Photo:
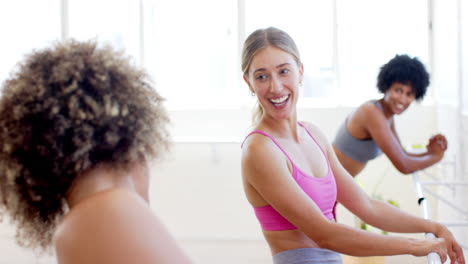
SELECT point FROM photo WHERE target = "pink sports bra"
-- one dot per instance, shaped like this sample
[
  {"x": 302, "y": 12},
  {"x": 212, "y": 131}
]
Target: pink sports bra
[{"x": 321, "y": 190}]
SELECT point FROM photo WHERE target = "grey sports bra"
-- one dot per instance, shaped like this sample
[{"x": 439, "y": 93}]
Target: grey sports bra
[{"x": 361, "y": 150}]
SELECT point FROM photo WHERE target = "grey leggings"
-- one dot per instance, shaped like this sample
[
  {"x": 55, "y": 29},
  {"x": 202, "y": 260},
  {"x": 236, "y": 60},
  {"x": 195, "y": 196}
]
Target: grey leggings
[{"x": 307, "y": 256}]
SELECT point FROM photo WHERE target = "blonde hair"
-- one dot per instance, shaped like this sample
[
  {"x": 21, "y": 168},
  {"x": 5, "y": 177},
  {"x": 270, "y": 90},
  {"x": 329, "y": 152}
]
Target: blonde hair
[{"x": 260, "y": 39}]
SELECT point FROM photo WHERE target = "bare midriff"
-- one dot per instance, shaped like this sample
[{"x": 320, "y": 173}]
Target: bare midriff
[{"x": 287, "y": 239}]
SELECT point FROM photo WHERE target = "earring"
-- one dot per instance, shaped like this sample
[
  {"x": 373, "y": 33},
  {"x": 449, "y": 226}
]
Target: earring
[{"x": 252, "y": 93}]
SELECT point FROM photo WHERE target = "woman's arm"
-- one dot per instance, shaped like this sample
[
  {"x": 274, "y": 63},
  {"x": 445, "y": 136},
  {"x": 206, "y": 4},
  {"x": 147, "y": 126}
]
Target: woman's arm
[
  {"x": 266, "y": 170},
  {"x": 386, "y": 138},
  {"x": 392, "y": 219},
  {"x": 437, "y": 143},
  {"x": 383, "y": 215}
]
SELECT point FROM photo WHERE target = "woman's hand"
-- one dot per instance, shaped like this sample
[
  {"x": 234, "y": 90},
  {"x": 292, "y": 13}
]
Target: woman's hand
[
  {"x": 444, "y": 245},
  {"x": 437, "y": 145},
  {"x": 454, "y": 250},
  {"x": 426, "y": 246}
]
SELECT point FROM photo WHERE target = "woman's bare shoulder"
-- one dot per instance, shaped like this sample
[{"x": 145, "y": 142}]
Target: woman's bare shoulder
[
  {"x": 257, "y": 144},
  {"x": 366, "y": 115},
  {"x": 102, "y": 207},
  {"x": 115, "y": 226},
  {"x": 368, "y": 108},
  {"x": 259, "y": 153}
]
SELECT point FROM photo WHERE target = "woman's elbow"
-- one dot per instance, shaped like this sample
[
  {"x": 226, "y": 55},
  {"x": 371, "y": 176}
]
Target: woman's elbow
[
  {"x": 330, "y": 243},
  {"x": 324, "y": 242},
  {"x": 325, "y": 238},
  {"x": 405, "y": 170},
  {"x": 403, "y": 167}
]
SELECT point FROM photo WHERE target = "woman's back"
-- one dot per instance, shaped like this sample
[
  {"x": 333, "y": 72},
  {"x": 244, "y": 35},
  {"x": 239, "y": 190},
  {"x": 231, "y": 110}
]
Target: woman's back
[{"x": 114, "y": 226}]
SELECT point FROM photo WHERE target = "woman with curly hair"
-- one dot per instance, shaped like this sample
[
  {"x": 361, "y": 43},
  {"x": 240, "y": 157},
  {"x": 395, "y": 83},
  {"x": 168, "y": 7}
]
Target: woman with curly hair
[
  {"x": 370, "y": 131},
  {"x": 79, "y": 126}
]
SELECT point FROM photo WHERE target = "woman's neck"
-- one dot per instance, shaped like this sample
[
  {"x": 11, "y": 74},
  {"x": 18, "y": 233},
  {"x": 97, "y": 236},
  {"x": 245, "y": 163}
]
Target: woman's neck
[
  {"x": 386, "y": 109},
  {"x": 103, "y": 178},
  {"x": 285, "y": 128}
]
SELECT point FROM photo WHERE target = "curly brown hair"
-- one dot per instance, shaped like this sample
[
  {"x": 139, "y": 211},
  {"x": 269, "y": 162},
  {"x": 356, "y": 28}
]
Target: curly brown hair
[{"x": 67, "y": 109}]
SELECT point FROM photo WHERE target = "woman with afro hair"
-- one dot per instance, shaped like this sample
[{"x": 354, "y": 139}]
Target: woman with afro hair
[
  {"x": 79, "y": 126},
  {"x": 370, "y": 131}
]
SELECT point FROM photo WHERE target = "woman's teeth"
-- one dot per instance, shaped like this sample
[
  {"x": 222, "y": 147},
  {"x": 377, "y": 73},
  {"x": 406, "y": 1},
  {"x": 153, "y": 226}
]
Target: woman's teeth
[{"x": 280, "y": 100}]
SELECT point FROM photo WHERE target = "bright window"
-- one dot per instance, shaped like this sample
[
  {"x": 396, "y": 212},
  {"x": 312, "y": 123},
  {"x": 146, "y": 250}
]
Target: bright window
[
  {"x": 192, "y": 52},
  {"x": 192, "y": 48},
  {"x": 26, "y": 25},
  {"x": 464, "y": 63},
  {"x": 114, "y": 22},
  {"x": 370, "y": 33}
]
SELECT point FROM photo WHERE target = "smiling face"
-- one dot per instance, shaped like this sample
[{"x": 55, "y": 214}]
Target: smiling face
[
  {"x": 399, "y": 97},
  {"x": 274, "y": 77}
]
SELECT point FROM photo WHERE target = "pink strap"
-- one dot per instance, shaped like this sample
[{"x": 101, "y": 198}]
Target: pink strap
[
  {"x": 279, "y": 146},
  {"x": 273, "y": 139}
]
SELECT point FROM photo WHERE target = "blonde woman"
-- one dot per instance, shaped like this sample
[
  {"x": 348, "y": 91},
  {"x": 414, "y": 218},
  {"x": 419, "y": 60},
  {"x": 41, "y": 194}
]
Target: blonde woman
[{"x": 292, "y": 177}]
